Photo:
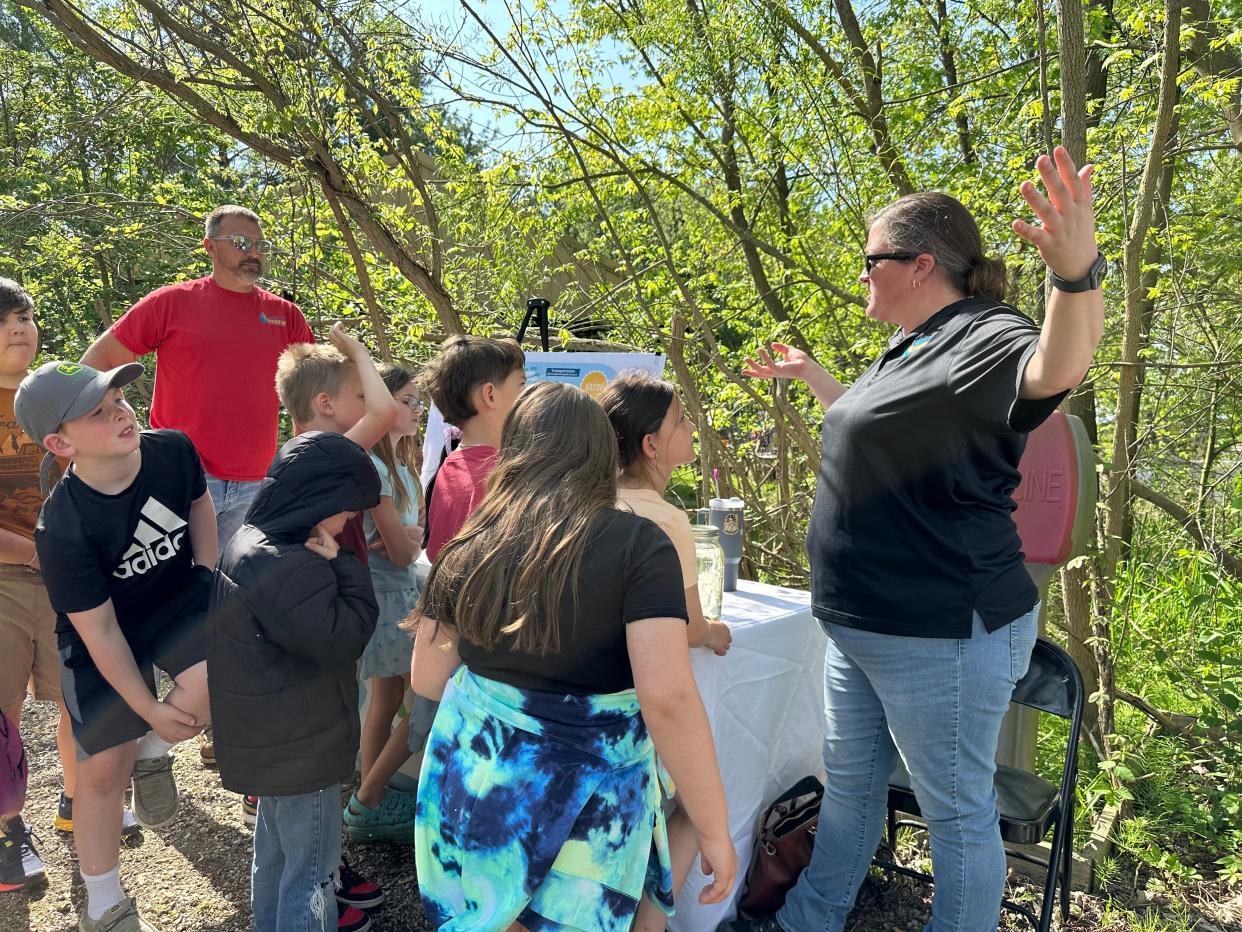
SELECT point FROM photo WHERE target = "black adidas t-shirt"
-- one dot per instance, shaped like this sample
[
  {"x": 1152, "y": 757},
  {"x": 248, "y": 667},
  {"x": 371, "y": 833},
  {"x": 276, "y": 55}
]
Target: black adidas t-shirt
[{"x": 133, "y": 547}]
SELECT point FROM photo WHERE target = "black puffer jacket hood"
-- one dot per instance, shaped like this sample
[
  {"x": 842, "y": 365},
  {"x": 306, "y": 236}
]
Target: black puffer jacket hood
[
  {"x": 289, "y": 626},
  {"x": 314, "y": 476}
]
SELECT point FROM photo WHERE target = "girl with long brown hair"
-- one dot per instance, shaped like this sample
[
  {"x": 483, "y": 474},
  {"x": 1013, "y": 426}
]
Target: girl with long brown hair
[{"x": 539, "y": 797}]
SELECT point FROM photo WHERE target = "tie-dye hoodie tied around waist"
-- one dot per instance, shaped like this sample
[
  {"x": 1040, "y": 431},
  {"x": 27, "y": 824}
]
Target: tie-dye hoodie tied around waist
[{"x": 541, "y": 808}]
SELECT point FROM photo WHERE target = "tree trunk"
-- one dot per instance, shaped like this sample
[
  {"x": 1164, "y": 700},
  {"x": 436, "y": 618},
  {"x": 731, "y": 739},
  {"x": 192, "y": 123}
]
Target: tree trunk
[
  {"x": 873, "y": 90},
  {"x": 364, "y": 277},
  {"x": 1078, "y": 582},
  {"x": 1152, "y": 252},
  {"x": 1124, "y": 424},
  {"x": 1097, "y": 73},
  {"x": 1136, "y": 286}
]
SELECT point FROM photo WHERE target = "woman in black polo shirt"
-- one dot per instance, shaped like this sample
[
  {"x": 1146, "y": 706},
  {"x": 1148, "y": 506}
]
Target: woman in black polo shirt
[{"x": 916, "y": 567}]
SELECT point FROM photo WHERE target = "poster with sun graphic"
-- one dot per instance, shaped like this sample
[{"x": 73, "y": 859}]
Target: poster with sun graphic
[{"x": 589, "y": 371}]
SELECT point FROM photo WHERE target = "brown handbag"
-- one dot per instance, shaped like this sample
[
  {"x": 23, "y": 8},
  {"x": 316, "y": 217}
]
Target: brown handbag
[{"x": 786, "y": 837}]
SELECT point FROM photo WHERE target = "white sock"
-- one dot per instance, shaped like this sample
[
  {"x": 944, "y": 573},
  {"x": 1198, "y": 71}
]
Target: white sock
[
  {"x": 152, "y": 745},
  {"x": 103, "y": 891}
]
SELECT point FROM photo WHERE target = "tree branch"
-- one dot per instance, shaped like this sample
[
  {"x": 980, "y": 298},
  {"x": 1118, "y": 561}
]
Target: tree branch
[{"x": 1228, "y": 561}]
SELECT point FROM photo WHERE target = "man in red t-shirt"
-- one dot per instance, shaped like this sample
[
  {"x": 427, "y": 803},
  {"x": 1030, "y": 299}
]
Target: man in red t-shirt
[{"x": 216, "y": 340}]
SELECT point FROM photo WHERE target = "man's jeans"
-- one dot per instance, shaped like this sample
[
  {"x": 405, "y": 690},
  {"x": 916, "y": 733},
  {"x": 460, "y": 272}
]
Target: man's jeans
[
  {"x": 232, "y": 501},
  {"x": 297, "y": 848},
  {"x": 939, "y": 703}
]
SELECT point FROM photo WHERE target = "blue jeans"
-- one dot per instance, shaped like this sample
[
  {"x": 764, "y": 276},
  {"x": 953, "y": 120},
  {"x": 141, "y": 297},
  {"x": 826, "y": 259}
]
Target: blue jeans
[
  {"x": 939, "y": 703},
  {"x": 297, "y": 848},
  {"x": 232, "y": 500}
]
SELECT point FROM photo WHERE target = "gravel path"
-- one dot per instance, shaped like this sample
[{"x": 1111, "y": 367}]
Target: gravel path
[
  {"x": 191, "y": 875},
  {"x": 194, "y": 874}
]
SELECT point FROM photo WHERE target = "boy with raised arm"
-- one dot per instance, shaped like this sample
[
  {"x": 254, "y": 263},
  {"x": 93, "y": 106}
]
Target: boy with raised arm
[{"x": 334, "y": 389}]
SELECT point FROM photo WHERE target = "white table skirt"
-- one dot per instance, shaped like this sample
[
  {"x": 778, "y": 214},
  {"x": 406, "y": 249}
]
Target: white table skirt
[{"x": 765, "y": 702}]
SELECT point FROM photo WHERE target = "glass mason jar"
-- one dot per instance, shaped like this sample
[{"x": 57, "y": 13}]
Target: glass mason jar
[{"x": 711, "y": 568}]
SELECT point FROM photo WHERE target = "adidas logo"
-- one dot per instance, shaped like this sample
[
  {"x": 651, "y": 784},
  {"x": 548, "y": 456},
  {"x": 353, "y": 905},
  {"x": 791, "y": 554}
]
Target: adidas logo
[{"x": 156, "y": 539}]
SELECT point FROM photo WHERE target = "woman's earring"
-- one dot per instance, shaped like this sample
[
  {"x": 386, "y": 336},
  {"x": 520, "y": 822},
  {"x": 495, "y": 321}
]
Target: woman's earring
[{"x": 916, "y": 283}]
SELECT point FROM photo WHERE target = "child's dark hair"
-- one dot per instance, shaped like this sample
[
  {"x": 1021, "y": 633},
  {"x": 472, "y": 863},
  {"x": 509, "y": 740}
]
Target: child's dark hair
[
  {"x": 13, "y": 299},
  {"x": 463, "y": 364},
  {"x": 406, "y": 450},
  {"x": 636, "y": 406}
]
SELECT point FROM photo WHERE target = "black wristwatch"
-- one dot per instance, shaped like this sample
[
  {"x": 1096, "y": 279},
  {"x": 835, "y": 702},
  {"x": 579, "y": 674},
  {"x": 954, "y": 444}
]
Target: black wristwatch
[{"x": 1091, "y": 281}]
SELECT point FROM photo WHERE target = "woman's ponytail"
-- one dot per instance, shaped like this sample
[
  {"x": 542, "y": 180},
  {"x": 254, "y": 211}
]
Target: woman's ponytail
[{"x": 987, "y": 277}]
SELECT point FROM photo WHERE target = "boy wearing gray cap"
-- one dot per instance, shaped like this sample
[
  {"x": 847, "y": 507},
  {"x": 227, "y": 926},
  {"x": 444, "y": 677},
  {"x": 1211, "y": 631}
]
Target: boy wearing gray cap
[{"x": 127, "y": 542}]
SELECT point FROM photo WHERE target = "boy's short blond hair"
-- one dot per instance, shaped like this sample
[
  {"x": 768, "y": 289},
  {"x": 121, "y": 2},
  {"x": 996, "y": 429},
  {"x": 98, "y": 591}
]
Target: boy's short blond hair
[{"x": 303, "y": 371}]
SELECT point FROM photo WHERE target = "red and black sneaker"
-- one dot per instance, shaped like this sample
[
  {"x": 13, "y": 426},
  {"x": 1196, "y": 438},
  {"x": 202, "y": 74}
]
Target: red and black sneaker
[
  {"x": 355, "y": 890},
  {"x": 352, "y": 919}
]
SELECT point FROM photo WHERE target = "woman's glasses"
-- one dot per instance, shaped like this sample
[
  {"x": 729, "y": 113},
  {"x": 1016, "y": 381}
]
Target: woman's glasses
[
  {"x": 412, "y": 403},
  {"x": 870, "y": 261}
]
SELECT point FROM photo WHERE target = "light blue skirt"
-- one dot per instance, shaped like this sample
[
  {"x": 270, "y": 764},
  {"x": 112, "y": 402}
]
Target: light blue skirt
[{"x": 389, "y": 651}]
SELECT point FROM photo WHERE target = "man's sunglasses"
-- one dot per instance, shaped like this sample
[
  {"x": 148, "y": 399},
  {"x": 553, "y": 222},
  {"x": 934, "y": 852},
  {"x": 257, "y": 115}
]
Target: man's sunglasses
[
  {"x": 246, "y": 244},
  {"x": 870, "y": 261}
]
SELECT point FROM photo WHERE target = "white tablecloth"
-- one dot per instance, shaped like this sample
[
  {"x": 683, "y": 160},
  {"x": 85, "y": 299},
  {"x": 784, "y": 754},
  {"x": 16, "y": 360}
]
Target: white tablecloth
[{"x": 765, "y": 701}]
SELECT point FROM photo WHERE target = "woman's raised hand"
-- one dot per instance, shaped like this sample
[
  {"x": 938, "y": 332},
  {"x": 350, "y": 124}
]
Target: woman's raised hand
[
  {"x": 792, "y": 364},
  {"x": 1065, "y": 233}
]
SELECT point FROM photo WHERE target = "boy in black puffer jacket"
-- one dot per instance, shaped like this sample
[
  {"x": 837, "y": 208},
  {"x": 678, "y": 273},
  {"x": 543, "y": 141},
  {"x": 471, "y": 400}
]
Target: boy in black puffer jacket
[{"x": 291, "y": 614}]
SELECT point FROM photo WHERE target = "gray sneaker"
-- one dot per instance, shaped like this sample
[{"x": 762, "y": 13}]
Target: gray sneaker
[
  {"x": 20, "y": 864},
  {"x": 123, "y": 917},
  {"x": 155, "y": 791}
]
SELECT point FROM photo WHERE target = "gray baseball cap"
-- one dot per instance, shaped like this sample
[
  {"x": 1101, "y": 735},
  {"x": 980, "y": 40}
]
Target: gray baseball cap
[{"x": 61, "y": 391}]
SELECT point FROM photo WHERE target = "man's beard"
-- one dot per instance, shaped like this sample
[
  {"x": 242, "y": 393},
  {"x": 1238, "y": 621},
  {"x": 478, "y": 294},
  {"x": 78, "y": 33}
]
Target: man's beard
[{"x": 248, "y": 272}]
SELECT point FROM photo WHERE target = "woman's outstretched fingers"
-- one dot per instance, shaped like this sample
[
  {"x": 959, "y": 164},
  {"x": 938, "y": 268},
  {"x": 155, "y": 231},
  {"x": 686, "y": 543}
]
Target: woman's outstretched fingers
[
  {"x": 765, "y": 366},
  {"x": 1067, "y": 171},
  {"x": 1049, "y": 172},
  {"x": 1040, "y": 205},
  {"x": 1064, "y": 227},
  {"x": 1034, "y": 235}
]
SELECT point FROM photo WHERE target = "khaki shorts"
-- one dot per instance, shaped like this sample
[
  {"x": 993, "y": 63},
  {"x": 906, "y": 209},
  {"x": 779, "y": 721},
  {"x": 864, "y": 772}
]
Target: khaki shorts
[{"x": 28, "y": 654}]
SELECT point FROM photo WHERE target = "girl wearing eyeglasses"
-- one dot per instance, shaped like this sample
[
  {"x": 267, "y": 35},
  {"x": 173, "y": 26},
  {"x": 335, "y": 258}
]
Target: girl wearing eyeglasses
[
  {"x": 377, "y": 812},
  {"x": 916, "y": 566}
]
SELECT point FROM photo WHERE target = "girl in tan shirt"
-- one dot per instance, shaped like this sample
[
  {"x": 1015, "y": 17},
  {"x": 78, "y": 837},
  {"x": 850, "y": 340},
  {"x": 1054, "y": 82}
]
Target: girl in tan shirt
[{"x": 654, "y": 437}]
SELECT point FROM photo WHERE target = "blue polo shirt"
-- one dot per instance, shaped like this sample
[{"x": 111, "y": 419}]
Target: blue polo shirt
[{"x": 911, "y": 531}]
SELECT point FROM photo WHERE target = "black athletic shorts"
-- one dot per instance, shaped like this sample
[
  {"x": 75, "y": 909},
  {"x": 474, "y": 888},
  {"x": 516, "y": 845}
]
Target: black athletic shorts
[{"x": 101, "y": 718}]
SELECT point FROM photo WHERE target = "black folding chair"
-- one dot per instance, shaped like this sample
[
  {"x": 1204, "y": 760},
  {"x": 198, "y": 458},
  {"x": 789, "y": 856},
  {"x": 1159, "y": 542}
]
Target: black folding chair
[{"x": 1029, "y": 805}]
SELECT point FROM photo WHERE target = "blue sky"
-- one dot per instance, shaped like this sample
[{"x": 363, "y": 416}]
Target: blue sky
[{"x": 448, "y": 19}]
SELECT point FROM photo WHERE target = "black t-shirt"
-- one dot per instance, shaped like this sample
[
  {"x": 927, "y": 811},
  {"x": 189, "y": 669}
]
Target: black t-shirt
[
  {"x": 132, "y": 547},
  {"x": 629, "y": 572},
  {"x": 911, "y": 529}
]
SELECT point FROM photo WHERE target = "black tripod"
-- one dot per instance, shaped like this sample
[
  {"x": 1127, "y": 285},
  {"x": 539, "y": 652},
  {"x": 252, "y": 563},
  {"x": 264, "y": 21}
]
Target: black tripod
[{"x": 536, "y": 308}]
